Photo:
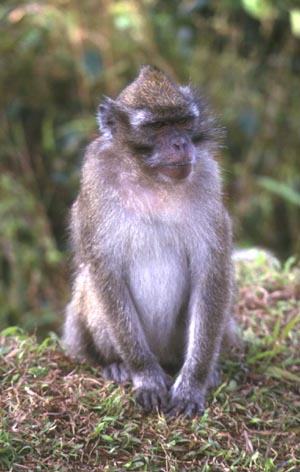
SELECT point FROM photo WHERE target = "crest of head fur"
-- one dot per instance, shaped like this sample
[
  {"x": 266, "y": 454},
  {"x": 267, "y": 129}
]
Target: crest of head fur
[{"x": 152, "y": 89}]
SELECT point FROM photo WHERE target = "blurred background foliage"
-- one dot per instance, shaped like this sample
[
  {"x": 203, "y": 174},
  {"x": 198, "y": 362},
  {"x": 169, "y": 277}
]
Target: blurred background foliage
[{"x": 58, "y": 58}]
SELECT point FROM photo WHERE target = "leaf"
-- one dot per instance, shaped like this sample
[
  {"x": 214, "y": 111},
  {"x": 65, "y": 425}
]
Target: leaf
[
  {"x": 279, "y": 373},
  {"x": 281, "y": 189},
  {"x": 288, "y": 328},
  {"x": 12, "y": 331},
  {"x": 260, "y": 9},
  {"x": 295, "y": 22}
]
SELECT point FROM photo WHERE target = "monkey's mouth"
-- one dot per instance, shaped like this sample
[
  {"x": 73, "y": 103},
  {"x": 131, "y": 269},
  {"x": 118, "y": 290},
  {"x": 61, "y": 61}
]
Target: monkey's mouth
[{"x": 178, "y": 170}]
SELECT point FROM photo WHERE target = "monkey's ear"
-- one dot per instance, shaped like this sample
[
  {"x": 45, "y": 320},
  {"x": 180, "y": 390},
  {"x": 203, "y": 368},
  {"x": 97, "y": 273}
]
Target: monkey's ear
[{"x": 105, "y": 116}]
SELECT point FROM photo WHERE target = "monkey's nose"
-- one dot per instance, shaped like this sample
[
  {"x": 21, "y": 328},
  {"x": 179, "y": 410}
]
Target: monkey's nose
[{"x": 179, "y": 144}]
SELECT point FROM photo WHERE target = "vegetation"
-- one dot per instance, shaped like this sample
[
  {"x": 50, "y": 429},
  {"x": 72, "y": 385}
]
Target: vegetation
[
  {"x": 58, "y": 58},
  {"x": 56, "y": 415}
]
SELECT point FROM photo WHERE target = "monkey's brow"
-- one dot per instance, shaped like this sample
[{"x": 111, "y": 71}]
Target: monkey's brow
[{"x": 169, "y": 119}]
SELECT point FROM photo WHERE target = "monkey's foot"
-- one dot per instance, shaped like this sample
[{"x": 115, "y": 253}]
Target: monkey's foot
[
  {"x": 118, "y": 372},
  {"x": 187, "y": 402}
]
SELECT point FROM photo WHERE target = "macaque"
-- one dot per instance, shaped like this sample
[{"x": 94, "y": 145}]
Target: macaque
[{"x": 152, "y": 290}]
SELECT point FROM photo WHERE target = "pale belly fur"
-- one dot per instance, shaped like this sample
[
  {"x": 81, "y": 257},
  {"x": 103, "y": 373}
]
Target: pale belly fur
[{"x": 158, "y": 283}]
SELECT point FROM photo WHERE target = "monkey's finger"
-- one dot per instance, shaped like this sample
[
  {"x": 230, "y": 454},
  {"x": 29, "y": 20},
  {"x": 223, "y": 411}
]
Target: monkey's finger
[
  {"x": 163, "y": 400},
  {"x": 151, "y": 401},
  {"x": 193, "y": 409},
  {"x": 188, "y": 409},
  {"x": 116, "y": 372},
  {"x": 172, "y": 412},
  {"x": 143, "y": 399},
  {"x": 155, "y": 401},
  {"x": 159, "y": 401},
  {"x": 174, "y": 408}
]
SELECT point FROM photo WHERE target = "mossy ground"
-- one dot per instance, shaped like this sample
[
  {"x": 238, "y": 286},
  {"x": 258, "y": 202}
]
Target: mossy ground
[{"x": 59, "y": 416}]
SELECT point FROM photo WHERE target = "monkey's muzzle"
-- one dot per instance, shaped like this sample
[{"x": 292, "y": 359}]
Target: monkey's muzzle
[{"x": 176, "y": 171}]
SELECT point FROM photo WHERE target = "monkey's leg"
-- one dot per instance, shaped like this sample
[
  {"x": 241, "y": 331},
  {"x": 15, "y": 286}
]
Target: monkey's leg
[
  {"x": 76, "y": 338},
  {"x": 79, "y": 343},
  {"x": 207, "y": 313}
]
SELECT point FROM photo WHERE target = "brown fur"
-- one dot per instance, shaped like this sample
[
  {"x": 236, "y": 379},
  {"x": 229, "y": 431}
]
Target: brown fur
[{"x": 152, "y": 247}]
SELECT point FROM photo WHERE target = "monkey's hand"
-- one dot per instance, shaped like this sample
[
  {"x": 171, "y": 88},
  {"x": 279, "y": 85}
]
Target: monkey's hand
[
  {"x": 117, "y": 371},
  {"x": 151, "y": 389},
  {"x": 186, "y": 398}
]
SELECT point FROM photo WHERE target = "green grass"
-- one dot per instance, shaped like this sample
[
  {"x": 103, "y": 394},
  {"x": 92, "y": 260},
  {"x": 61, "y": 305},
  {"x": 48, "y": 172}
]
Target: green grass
[{"x": 59, "y": 416}]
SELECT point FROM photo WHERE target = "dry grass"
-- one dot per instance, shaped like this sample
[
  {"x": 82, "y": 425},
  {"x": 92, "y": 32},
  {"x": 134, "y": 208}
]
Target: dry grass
[{"x": 58, "y": 416}]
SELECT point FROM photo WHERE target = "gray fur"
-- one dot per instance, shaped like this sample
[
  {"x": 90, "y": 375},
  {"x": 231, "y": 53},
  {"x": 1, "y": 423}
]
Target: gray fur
[{"x": 153, "y": 280}]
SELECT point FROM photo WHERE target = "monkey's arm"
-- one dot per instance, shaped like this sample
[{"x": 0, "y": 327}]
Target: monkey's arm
[
  {"x": 121, "y": 320},
  {"x": 208, "y": 310}
]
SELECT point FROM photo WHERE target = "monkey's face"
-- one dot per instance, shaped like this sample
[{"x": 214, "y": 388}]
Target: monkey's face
[{"x": 164, "y": 144}]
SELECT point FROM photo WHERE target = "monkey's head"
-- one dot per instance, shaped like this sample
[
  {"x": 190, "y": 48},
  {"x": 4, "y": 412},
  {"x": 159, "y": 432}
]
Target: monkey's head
[{"x": 161, "y": 124}]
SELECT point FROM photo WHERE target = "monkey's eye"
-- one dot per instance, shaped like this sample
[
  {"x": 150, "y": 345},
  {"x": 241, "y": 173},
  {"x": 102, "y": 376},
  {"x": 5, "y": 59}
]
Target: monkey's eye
[
  {"x": 158, "y": 124},
  {"x": 183, "y": 121},
  {"x": 142, "y": 148}
]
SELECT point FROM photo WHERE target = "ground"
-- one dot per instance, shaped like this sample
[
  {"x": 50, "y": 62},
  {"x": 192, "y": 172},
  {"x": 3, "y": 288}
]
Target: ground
[{"x": 60, "y": 416}]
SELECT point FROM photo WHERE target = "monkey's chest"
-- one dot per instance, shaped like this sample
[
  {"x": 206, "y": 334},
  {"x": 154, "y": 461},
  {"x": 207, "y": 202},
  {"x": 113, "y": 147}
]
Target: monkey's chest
[{"x": 158, "y": 279}]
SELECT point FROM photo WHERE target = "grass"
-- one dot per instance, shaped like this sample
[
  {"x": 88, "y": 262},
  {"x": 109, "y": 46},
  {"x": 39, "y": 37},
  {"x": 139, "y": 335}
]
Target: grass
[{"x": 59, "y": 416}]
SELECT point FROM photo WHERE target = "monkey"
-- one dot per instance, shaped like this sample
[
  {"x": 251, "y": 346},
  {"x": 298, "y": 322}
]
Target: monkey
[{"x": 151, "y": 238}]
